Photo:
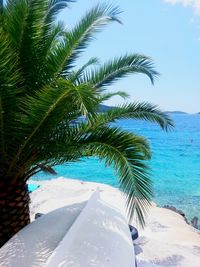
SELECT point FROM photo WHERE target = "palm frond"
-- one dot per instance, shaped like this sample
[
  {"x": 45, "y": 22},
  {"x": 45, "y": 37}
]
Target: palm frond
[
  {"x": 119, "y": 68},
  {"x": 1, "y": 10},
  {"x": 76, "y": 40},
  {"x": 54, "y": 8},
  {"x": 47, "y": 108},
  {"x": 37, "y": 111},
  {"x": 142, "y": 111},
  {"x": 47, "y": 169},
  {"x": 9, "y": 79},
  {"x": 32, "y": 46},
  {"x": 107, "y": 96},
  {"x": 86, "y": 99},
  {"x": 14, "y": 16},
  {"x": 50, "y": 32},
  {"x": 75, "y": 75},
  {"x": 126, "y": 152},
  {"x": 50, "y": 40}
]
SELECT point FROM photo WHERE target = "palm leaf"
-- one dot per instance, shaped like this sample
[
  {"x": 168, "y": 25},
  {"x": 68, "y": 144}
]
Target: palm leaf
[
  {"x": 9, "y": 79},
  {"x": 75, "y": 75},
  {"x": 1, "y": 10},
  {"x": 76, "y": 40},
  {"x": 54, "y": 8},
  {"x": 50, "y": 32},
  {"x": 14, "y": 15},
  {"x": 142, "y": 111},
  {"x": 119, "y": 68},
  {"x": 47, "y": 169},
  {"x": 107, "y": 96},
  {"x": 45, "y": 110},
  {"x": 126, "y": 152}
]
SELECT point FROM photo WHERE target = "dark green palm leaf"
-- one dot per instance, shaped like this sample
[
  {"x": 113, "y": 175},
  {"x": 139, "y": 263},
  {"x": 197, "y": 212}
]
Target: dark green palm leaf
[
  {"x": 14, "y": 16},
  {"x": 75, "y": 75},
  {"x": 48, "y": 108},
  {"x": 9, "y": 77},
  {"x": 50, "y": 31},
  {"x": 119, "y": 68},
  {"x": 76, "y": 40},
  {"x": 126, "y": 153},
  {"x": 107, "y": 96},
  {"x": 54, "y": 8},
  {"x": 142, "y": 111}
]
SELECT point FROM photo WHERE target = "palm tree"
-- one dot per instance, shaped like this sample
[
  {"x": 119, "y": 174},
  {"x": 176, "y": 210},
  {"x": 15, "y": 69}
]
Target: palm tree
[{"x": 43, "y": 93}]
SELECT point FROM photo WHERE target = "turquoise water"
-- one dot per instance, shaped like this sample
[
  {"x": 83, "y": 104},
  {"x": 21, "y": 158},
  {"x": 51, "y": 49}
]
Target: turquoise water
[
  {"x": 175, "y": 165},
  {"x": 32, "y": 187}
]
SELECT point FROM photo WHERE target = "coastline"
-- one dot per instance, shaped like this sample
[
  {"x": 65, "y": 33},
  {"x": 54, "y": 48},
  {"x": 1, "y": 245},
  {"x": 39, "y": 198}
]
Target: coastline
[{"x": 167, "y": 240}]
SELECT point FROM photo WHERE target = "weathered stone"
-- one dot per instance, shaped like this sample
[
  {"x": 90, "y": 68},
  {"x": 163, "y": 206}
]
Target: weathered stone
[
  {"x": 37, "y": 215},
  {"x": 134, "y": 232},
  {"x": 194, "y": 222},
  {"x": 176, "y": 210}
]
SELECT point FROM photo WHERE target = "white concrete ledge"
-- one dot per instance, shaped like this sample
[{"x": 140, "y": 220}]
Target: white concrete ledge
[
  {"x": 99, "y": 237},
  {"x": 79, "y": 235},
  {"x": 33, "y": 245}
]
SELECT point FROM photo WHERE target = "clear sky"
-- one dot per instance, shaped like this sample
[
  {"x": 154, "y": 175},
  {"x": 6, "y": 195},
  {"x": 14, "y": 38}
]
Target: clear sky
[{"x": 166, "y": 30}]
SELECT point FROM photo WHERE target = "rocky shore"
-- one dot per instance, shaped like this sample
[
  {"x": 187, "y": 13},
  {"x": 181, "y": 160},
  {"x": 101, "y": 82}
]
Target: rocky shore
[{"x": 194, "y": 222}]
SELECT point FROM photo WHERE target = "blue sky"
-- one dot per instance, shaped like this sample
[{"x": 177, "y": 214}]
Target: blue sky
[{"x": 166, "y": 30}]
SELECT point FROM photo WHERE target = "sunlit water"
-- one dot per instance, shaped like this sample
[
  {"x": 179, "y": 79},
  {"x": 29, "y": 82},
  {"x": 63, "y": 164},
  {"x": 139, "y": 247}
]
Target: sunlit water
[{"x": 175, "y": 164}]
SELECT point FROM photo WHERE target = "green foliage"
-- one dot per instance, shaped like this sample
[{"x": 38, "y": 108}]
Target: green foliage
[
  {"x": 119, "y": 68},
  {"x": 44, "y": 92}
]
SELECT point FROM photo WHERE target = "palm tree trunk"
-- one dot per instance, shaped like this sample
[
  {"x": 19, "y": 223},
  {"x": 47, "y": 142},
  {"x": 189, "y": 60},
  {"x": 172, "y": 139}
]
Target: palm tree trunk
[{"x": 14, "y": 209}]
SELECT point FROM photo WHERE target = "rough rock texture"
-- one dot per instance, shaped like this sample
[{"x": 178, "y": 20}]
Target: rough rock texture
[
  {"x": 194, "y": 222},
  {"x": 176, "y": 210}
]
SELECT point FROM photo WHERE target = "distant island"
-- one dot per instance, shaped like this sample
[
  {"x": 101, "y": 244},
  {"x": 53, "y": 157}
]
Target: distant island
[
  {"x": 104, "y": 108},
  {"x": 177, "y": 112}
]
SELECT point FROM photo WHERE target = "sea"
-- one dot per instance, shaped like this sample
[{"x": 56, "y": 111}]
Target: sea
[{"x": 175, "y": 163}]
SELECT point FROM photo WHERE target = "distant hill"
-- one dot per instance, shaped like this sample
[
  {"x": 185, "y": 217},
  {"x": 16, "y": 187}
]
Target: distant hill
[
  {"x": 176, "y": 112},
  {"x": 104, "y": 108}
]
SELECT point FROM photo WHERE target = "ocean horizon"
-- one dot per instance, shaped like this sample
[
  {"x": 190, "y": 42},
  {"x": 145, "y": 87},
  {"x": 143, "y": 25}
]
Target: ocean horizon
[{"x": 175, "y": 168}]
